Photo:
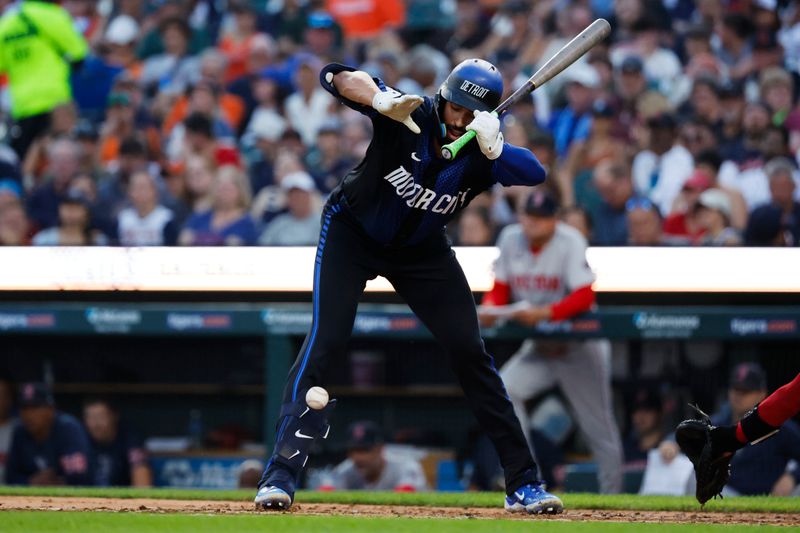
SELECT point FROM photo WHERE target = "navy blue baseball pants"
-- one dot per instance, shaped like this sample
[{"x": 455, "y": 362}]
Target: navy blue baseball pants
[{"x": 429, "y": 278}]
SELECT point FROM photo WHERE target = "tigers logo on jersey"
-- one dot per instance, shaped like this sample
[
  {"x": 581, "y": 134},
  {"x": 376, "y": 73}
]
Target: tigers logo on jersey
[{"x": 423, "y": 198}]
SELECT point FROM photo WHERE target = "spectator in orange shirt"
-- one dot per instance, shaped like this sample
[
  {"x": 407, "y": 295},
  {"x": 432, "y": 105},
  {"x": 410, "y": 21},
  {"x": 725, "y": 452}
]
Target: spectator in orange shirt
[
  {"x": 212, "y": 74},
  {"x": 120, "y": 124},
  {"x": 236, "y": 43},
  {"x": 366, "y": 19}
]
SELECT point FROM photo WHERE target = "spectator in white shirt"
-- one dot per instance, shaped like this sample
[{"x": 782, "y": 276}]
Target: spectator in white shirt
[
  {"x": 307, "y": 108},
  {"x": 301, "y": 224},
  {"x": 660, "y": 170},
  {"x": 145, "y": 222}
]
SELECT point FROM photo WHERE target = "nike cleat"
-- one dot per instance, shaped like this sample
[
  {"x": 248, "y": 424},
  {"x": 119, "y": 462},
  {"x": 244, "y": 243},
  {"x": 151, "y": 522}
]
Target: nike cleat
[
  {"x": 533, "y": 499},
  {"x": 273, "y": 498}
]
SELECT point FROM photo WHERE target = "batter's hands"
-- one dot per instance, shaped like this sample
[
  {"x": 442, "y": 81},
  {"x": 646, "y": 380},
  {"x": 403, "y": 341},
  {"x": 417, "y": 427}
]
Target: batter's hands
[
  {"x": 532, "y": 315},
  {"x": 397, "y": 106},
  {"x": 487, "y": 130}
]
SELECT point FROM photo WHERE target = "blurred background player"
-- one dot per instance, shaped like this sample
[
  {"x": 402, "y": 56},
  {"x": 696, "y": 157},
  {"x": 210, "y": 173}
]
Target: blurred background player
[
  {"x": 388, "y": 218},
  {"x": 369, "y": 466},
  {"x": 543, "y": 262},
  {"x": 48, "y": 447},
  {"x": 118, "y": 458}
]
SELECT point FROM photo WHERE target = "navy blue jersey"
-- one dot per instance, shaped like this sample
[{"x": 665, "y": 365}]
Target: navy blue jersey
[
  {"x": 402, "y": 191},
  {"x": 65, "y": 451},
  {"x": 111, "y": 462}
]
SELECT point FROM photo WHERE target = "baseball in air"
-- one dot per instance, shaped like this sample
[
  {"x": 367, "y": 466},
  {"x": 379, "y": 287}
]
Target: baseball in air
[{"x": 317, "y": 398}]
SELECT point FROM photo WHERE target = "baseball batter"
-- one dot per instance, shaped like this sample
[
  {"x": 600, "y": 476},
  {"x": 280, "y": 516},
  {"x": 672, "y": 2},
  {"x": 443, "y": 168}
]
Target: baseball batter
[
  {"x": 542, "y": 263},
  {"x": 387, "y": 218}
]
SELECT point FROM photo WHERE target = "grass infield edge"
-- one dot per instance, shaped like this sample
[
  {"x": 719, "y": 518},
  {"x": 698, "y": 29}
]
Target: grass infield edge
[{"x": 431, "y": 499}]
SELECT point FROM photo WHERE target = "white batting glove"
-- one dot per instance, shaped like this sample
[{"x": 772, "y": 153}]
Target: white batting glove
[
  {"x": 486, "y": 126},
  {"x": 397, "y": 106}
]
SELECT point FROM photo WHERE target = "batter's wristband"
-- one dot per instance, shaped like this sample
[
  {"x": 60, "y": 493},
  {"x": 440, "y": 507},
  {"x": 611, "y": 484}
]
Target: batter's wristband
[{"x": 754, "y": 427}]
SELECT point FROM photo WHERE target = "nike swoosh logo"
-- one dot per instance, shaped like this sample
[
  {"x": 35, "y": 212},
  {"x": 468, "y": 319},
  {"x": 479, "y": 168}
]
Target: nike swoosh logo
[
  {"x": 295, "y": 454},
  {"x": 301, "y": 436},
  {"x": 520, "y": 495},
  {"x": 414, "y": 157}
]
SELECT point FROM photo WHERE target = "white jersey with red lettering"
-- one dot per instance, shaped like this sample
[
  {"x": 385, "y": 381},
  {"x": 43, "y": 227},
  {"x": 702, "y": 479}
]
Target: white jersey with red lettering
[
  {"x": 580, "y": 368},
  {"x": 547, "y": 275}
]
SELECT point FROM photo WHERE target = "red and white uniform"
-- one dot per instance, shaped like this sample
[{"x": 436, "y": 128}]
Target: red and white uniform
[{"x": 559, "y": 276}]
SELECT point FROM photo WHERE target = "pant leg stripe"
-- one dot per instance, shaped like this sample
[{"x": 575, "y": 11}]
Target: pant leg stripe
[{"x": 315, "y": 315}]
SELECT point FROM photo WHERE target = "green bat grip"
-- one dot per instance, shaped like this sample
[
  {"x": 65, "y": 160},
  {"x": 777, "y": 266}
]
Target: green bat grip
[{"x": 450, "y": 151}]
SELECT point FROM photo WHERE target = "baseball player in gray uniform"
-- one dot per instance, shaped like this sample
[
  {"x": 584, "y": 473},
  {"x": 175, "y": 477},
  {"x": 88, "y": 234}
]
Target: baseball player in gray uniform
[{"x": 542, "y": 275}]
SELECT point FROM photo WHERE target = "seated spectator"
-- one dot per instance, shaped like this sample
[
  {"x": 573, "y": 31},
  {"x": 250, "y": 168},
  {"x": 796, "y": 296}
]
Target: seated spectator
[
  {"x": 765, "y": 227},
  {"x": 43, "y": 203},
  {"x": 271, "y": 199},
  {"x": 475, "y": 228},
  {"x": 227, "y": 222},
  {"x": 758, "y": 469},
  {"x": 74, "y": 227},
  {"x": 112, "y": 189},
  {"x": 709, "y": 162},
  {"x": 299, "y": 226},
  {"x": 7, "y": 422},
  {"x": 573, "y": 122},
  {"x": 714, "y": 213},
  {"x": 782, "y": 190},
  {"x": 120, "y": 127},
  {"x": 644, "y": 223},
  {"x": 326, "y": 160},
  {"x": 198, "y": 140},
  {"x": 612, "y": 180},
  {"x": 15, "y": 228},
  {"x": 646, "y": 426},
  {"x": 203, "y": 99},
  {"x": 660, "y": 170},
  {"x": 369, "y": 467},
  {"x": 237, "y": 42},
  {"x": 171, "y": 71},
  {"x": 10, "y": 193},
  {"x": 308, "y": 107},
  {"x": 584, "y": 155},
  {"x": 118, "y": 458},
  {"x": 145, "y": 222},
  {"x": 260, "y": 56},
  {"x": 199, "y": 181},
  {"x": 48, "y": 447},
  {"x": 682, "y": 223}
]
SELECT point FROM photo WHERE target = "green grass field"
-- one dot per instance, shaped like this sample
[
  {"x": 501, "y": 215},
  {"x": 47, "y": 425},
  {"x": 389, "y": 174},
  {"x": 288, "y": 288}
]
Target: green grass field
[{"x": 101, "y": 521}]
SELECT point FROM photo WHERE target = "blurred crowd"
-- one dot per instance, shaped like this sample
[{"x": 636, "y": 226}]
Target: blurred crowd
[{"x": 202, "y": 122}]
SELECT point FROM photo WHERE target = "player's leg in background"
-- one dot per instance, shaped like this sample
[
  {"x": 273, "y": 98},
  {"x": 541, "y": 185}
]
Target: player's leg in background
[
  {"x": 584, "y": 375},
  {"x": 525, "y": 376},
  {"x": 340, "y": 273},
  {"x": 437, "y": 291}
]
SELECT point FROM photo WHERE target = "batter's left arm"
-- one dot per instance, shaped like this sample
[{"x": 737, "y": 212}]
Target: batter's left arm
[{"x": 517, "y": 166}]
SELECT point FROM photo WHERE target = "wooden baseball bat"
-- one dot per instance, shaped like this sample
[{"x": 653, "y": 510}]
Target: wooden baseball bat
[{"x": 571, "y": 52}]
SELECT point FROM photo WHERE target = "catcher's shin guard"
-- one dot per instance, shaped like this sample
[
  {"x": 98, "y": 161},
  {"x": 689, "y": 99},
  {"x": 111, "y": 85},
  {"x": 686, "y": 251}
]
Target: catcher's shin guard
[{"x": 300, "y": 426}]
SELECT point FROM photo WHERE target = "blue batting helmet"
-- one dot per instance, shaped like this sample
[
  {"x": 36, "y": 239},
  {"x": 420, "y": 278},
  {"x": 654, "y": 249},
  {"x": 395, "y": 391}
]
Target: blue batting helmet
[{"x": 474, "y": 84}]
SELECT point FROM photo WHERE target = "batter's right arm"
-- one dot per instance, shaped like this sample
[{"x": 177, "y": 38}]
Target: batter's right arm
[
  {"x": 360, "y": 91},
  {"x": 357, "y": 86}
]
